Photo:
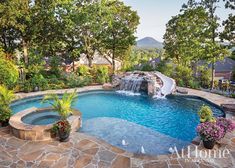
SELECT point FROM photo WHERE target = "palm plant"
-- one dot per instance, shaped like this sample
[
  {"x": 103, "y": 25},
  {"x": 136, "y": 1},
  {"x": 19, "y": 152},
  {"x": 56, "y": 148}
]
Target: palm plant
[
  {"x": 63, "y": 105},
  {"x": 6, "y": 97}
]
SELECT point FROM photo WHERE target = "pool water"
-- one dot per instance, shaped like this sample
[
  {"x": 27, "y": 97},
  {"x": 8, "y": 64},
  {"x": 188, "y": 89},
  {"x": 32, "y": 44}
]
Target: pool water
[
  {"x": 41, "y": 118},
  {"x": 175, "y": 117}
]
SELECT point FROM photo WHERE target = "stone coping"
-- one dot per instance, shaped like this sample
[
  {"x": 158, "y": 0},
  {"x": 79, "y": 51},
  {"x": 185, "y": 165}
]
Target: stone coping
[
  {"x": 212, "y": 97},
  {"x": 38, "y": 132},
  {"x": 59, "y": 91}
]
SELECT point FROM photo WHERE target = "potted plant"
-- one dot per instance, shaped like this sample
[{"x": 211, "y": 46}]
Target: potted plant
[
  {"x": 210, "y": 132},
  {"x": 62, "y": 128},
  {"x": 63, "y": 106},
  {"x": 206, "y": 115},
  {"x": 6, "y": 97}
]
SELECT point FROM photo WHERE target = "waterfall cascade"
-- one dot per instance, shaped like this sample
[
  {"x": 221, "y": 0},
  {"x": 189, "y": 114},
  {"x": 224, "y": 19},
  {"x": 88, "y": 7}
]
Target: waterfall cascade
[
  {"x": 154, "y": 84},
  {"x": 131, "y": 83}
]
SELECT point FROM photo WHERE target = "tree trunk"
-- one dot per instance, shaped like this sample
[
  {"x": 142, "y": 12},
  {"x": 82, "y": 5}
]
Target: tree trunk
[
  {"x": 212, "y": 75},
  {"x": 89, "y": 62},
  {"x": 25, "y": 52},
  {"x": 113, "y": 61},
  {"x": 73, "y": 66}
]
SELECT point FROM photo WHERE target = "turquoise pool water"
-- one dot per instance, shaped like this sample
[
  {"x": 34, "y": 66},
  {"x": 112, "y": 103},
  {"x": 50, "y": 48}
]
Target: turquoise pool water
[
  {"x": 175, "y": 117},
  {"x": 41, "y": 118}
]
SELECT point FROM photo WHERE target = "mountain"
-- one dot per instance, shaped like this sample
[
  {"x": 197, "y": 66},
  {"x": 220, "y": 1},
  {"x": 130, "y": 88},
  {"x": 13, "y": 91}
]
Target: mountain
[{"x": 149, "y": 42}]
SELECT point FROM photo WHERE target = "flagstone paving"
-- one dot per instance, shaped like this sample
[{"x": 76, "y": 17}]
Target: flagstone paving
[{"x": 86, "y": 151}]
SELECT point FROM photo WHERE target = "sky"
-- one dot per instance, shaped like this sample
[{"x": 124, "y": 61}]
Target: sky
[{"x": 154, "y": 15}]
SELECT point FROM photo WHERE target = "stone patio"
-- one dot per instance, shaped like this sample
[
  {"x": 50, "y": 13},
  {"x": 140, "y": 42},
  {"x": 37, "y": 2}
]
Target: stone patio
[{"x": 86, "y": 151}]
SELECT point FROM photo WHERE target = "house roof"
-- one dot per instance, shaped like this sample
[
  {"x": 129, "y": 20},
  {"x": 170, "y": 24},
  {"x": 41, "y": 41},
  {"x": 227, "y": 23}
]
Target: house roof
[{"x": 225, "y": 65}]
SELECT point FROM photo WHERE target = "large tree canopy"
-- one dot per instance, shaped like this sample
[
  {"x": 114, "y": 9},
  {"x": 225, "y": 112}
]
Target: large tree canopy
[
  {"x": 192, "y": 35},
  {"x": 119, "y": 25}
]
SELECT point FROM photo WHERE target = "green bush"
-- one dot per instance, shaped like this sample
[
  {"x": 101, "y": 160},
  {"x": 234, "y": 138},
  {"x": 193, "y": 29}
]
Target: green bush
[
  {"x": 102, "y": 74},
  {"x": 73, "y": 80},
  {"x": 5, "y": 113},
  {"x": 206, "y": 115},
  {"x": 194, "y": 84},
  {"x": 147, "y": 67},
  {"x": 165, "y": 68},
  {"x": 6, "y": 97},
  {"x": 204, "y": 77},
  {"x": 83, "y": 70},
  {"x": 26, "y": 86},
  {"x": 8, "y": 73},
  {"x": 39, "y": 81},
  {"x": 183, "y": 75},
  {"x": 55, "y": 69}
]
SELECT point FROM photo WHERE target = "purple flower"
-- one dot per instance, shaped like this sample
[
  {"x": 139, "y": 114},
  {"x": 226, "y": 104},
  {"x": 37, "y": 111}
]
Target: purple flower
[
  {"x": 226, "y": 124},
  {"x": 210, "y": 131},
  {"x": 214, "y": 131}
]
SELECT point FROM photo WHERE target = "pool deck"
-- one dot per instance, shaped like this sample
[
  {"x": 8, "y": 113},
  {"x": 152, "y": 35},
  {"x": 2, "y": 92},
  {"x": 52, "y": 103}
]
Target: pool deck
[
  {"x": 86, "y": 151},
  {"x": 214, "y": 98}
]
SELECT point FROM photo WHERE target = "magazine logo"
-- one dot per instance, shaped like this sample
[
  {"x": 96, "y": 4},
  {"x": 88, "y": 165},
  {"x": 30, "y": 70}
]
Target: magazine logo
[{"x": 196, "y": 155}]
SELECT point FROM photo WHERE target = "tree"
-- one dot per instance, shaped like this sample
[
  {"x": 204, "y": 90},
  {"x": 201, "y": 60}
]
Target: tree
[
  {"x": 216, "y": 51},
  {"x": 70, "y": 18},
  {"x": 119, "y": 26},
  {"x": 229, "y": 26},
  {"x": 8, "y": 73},
  {"x": 186, "y": 36},
  {"x": 89, "y": 28},
  {"x": 229, "y": 4},
  {"x": 15, "y": 26},
  {"x": 48, "y": 27}
]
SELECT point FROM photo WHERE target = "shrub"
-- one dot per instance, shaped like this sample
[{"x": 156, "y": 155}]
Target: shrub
[
  {"x": 206, "y": 115},
  {"x": 26, "y": 86},
  {"x": 194, "y": 84},
  {"x": 74, "y": 80},
  {"x": 39, "y": 81},
  {"x": 83, "y": 70},
  {"x": 5, "y": 113},
  {"x": 6, "y": 97},
  {"x": 204, "y": 77},
  {"x": 147, "y": 67},
  {"x": 55, "y": 66},
  {"x": 8, "y": 73},
  {"x": 165, "y": 68},
  {"x": 100, "y": 74},
  {"x": 183, "y": 75}
]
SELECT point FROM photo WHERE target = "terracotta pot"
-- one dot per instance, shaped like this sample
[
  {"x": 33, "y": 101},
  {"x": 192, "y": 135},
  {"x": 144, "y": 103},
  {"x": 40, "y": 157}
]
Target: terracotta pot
[
  {"x": 63, "y": 136},
  {"x": 209, "y": 144}
]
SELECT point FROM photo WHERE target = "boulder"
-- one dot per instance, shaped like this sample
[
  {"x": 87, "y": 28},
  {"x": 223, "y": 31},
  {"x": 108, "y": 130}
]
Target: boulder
[
  {"x": 107, "y": 86},
  {"x": 182, "y": 91}
]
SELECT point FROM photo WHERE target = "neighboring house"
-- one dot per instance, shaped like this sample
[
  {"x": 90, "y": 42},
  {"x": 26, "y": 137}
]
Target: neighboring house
[
  {"x": 224, "y": 68},
  {"x": 97, "y": 60}
]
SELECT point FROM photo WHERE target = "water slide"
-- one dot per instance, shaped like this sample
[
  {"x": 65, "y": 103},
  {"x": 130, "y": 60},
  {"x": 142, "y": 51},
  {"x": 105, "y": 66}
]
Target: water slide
[{"x": 168, "y": 84}]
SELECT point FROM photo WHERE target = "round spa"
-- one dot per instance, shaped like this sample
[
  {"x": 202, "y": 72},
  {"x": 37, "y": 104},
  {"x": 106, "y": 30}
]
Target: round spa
[{"x": 35, "y": 124}]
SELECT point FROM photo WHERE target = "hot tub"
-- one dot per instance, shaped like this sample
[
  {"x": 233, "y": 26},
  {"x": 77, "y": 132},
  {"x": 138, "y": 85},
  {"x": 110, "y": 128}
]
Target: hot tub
[
  {"x": 41, "y": 118},
  {"x": 35, "y": 124}
]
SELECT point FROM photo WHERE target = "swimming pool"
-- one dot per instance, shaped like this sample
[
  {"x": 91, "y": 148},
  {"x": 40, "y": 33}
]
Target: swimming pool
[{"x": 139, "y": 120}]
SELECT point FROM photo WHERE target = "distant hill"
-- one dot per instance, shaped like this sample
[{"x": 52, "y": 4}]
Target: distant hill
[{"x": 149, "y": 42}]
